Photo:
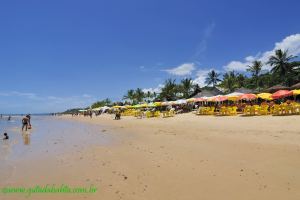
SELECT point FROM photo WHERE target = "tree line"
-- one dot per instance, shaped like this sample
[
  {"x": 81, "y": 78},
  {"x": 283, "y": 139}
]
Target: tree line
[{"x": 284, "y": 71}]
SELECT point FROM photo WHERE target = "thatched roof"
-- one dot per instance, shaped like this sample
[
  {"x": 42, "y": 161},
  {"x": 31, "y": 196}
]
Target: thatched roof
[
  {"x": 296, "y": 86},
  {"x": 276, "y": 88},
  {"x": 244, "y": 90},
  {"x": 208, "y": 93}
]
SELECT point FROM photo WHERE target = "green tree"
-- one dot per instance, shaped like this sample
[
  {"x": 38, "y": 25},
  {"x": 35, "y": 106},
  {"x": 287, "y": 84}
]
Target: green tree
[
  {"x": 212, "y": 78},
  {"x": 139, "y": 95},
  {"x": 169, "y": 90},
  {"x": 255, "y": 69},
  {"x": 281, "y": 63},
  {"x": 230, "y": 81},
  {"x": 241, "y": 80},
  {"x": 186, "y": 87},
  {"x": 130, "y": 96}
]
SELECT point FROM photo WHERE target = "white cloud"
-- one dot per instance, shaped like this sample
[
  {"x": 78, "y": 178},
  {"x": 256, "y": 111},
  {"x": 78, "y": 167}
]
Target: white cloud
[
  {"x": 237, "y": 66},
  {"x": 290, "y": 43},
  {"x": 182, "y": 70},
  {"x": 156, "y": 90},
  {"x": 201, "y": 76}
]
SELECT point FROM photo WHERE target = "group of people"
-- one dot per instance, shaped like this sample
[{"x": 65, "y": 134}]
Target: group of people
[{"x": 26, "y": 124}]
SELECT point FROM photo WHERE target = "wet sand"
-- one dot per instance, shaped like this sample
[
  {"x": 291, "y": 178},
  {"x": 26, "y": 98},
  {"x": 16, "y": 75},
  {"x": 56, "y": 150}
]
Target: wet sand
[{"x": 185, "y": 157}]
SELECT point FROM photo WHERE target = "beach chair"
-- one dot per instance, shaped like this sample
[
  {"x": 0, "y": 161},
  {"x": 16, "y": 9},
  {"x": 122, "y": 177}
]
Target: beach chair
[
  {"x": 149, "y": 114},
  {"x": 247, "y": 110},
  {"x": 157, "y": 114},
  {"x": 288, "y": 109},
  {"x": 223, "y": 111},
  {"x": 210, "y": 111},
  {"x": 296, "y": 109},
  {"x": 276, "y": 110},
  {"x": 172, "y": 113},
  {"x": 232, "y": 111},
  {"x": 264, "y": 110}
]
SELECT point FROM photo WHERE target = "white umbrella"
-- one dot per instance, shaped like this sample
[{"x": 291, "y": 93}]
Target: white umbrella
[{"x": 181, "y": 101}]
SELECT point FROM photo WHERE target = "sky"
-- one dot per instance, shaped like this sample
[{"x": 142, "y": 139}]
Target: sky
[{"x": 56, "y": 55}]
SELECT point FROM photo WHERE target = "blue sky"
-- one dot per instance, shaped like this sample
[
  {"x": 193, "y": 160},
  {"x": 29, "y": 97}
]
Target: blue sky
[{"x": 60, "y": 54}]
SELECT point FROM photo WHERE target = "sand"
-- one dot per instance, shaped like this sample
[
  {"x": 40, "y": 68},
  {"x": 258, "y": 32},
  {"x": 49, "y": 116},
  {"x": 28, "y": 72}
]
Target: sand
[{"x": 184, "y": 157}]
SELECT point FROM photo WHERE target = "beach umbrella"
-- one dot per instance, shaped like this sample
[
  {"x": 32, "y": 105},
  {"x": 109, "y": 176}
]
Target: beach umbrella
[
  {"x": 105, "y": 108},
  {"x": 137, "y": 106},
  {"x": 181, "y": 101},
  {"x": 248, "y": 97},
  {"x": 82, "y": 110},
  {"x": 172, "y": 102},
  {"x": 199, "y": 99},
  {"x": 151, "y": 105},
  {"x": 191, "y": 100},
  {"x": 296, "y": 92},
  {"x": 117, "y": 106},
  {"x": 266, "y": 96},
  {"x": 158, "y": 103},
  {"x": 165, "y": 103},
  {"x": 96, "y": 109},
  {"x": 281, "y": 94},
  {"x": 220, "y": 98},
  {"x": 234, "y": 96}
]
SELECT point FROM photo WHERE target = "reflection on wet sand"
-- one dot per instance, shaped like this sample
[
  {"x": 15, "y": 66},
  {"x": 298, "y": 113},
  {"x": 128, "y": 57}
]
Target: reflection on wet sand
[{"x": 26, "y": 138}]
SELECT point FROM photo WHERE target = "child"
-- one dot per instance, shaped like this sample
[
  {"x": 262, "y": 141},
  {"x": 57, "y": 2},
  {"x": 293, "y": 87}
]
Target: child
[{"x": 5, "y": 136}]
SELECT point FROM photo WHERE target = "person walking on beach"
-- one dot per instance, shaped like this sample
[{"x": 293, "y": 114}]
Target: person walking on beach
[{"x": 25, "y": 121}]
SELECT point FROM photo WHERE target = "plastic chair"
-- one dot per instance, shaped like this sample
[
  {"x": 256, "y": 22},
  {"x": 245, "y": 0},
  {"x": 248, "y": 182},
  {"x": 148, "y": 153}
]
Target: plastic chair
[{"x": 264, "y": 110}]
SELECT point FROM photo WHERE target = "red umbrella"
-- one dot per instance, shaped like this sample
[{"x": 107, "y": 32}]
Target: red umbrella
[
  {"x": 281, "y": 94},
  {"x": 248, "y": 97},
  {"x": 220, "y": 98}
]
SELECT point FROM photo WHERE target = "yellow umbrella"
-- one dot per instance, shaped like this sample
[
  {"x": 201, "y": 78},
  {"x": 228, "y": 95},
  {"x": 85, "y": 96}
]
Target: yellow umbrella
[
  {"x": 233, "y": 98},
  {"x": 157, "y": 103},
  {"x": 266, "y": 96},
  {"x": 143, "y": 105},
  {"x": 191, "y": 100},
  {"x": 296, "y": 92},
  {"x": 117, "y": 106}
]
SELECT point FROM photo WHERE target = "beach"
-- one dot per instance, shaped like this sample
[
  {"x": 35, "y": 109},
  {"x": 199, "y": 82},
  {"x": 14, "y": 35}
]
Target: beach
[{"x": 184, "y": 157}]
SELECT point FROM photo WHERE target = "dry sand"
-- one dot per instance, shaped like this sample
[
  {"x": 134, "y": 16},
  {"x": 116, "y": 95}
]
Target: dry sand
[{"x": 186, "y": 157}]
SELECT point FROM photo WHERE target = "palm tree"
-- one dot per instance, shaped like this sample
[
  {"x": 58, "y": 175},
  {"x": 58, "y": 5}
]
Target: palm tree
[
  {"x": 241, "y": 80},
  {"x": 230, "y": 81},
  {"x": 255, "y": 69},
  {"x": 212, "y": 78},
  {"x": 130, "y": 95},
  {"x": 139, "y": 95},
  {"x": 107, "y": 101},
  {"x": 148, "y": 96},
  {"x": 186, "y": 87},
  {"x": 169, "y": 90},
  {"x": 281, "y": 65}
]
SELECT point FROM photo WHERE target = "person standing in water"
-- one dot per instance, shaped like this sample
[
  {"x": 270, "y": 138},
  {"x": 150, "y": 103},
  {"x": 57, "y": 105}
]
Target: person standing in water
[
  {"x": 5, "y": 136},
  {"x": 9, "y": 118},
  {"x": 29, "y": 117},
  {"x": 25, "y": 121}
]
